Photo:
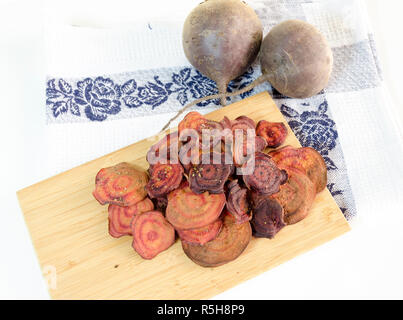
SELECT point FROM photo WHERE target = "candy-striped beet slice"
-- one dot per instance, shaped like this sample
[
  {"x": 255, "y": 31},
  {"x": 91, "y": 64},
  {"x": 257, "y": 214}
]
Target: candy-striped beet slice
[
  {"x": 266, "y": 177},
  {"x": 274, "y": 133},
  {"x": 120, "y": 217},
  {"x": 296, "y": 196},
  {"x": 307, "y": 160},
  {"x": 201, "y": 235},
  {"x": 227, "y": 246},
  {"x": 163, "y": 179},
  {"x": 152, "y": 234},
  {"x": 189, "y": 210},
  {"x": 121, "y": 184}
]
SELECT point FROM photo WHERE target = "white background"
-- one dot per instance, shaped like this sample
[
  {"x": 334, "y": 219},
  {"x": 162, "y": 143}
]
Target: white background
[{"x": 365, "y": 263}]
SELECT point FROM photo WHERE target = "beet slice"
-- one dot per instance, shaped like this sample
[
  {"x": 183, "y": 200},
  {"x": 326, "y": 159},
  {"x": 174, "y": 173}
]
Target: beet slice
[
  {"x": 210, "y": 176},
  {"x": 121, "y": 184},
  {"x": 267, "y": 218},
  {"x": 201, "y": 235},
  {"x": 227, "y": 246},
  {"x": 237, "y": 202},
  {"x": 163, "y": 179},
  {"x": 274, "y": 133},
  {"x": 226, "y": 123},
  {"x": 241, "y": 151},
  {"x": 193, "y": 120},
  {"x": 307, "y": 160},
  {"x": 296, "y": 196},
  {"x": 189, "y": 210},
  {"x": 243, "y": 123},
  {"x": 120, "y": 217},
  {"x": 152, "y": 234},
  {"x": 165, "y": 151},
  {"x": 266, "y": 177}
]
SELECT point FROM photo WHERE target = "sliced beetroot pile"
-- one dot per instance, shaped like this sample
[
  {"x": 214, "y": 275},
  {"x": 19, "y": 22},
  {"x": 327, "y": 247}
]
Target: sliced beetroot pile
[
  {"x": 274, "y": 133},
  {"x": 152, "y": 234},
  {"x": 231, "y": 241},
  {"x": 189, "y": 210},
  {"x": 223, "y": 167},
  {"x": 120, "y": 217},
  {"x": 307, "y": 160},
  {"x": 237, "y": 202},
  {"x": 266, "y": 177},
  {"x": 210, "y": 176},
  {"x": 201, "y": 235},
  {"x": 267, "y": 218},
  {"x": 163, "y": 179},
  {"x": 121, "y": 184},
  {"x": 296, "y": 196}
]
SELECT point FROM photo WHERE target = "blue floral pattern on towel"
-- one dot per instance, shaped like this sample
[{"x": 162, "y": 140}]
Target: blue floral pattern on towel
[
  {"x": 97, "y": 98},
  {"x": 314, "y": 129}
]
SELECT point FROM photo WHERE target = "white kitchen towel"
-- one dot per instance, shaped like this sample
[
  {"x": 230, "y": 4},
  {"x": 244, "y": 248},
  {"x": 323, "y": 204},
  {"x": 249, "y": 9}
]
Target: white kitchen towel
[{"x": 109, "y": 87}]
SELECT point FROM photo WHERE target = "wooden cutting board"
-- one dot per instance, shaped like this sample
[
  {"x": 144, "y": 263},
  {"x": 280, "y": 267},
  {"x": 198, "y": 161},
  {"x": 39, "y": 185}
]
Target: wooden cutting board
[{"x": 69, "y": 230}]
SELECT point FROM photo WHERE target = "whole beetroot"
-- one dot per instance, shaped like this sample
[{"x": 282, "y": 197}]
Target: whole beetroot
[
  {"x": 295, "y": 58},
  {"x": 221, "y": 39}
]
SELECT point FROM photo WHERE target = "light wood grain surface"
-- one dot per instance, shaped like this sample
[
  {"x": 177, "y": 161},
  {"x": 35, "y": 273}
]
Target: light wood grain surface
[{"x": 69, "y": 230}]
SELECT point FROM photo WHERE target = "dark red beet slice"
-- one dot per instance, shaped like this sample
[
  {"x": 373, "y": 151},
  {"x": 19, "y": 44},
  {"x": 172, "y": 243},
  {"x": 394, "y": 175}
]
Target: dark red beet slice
[
  {"x": 267, "y": 218},
  {"x": 121, "y": 184},
  {"x": 274, "y": 133},
  {"x": 307, "y": 160},
  {"x": 152, "y": 234},
  {"x": 120, "y": 217},
  {"x": 163, "y": 179},
  {"x": 237, "y": 202},
  {"x": 227, "y": 246},
  {"x": 189, "y": 210},
  {"x": 296, "y": 196},
  {"x": 201, "y": 235},
  {"x": 266, "y": 177},
  {"x": 210, "y": 176},
  {"x": 165, "y": 151}
]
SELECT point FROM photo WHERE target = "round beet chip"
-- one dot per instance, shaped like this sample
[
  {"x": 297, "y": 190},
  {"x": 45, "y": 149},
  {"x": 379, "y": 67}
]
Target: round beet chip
[
  {"x": 227, "y": 246},
  {"x": 121, "y": 184},
  {"x": 210, "y": 176},
  {"x": 307, "y": 160},
  {"x": 267, "y": 218},
  {"x": 274, "y": 133},
  {"x": 152, "y": 234},
  {"x": 120, "y": 217},
  {"x": 163, "y": 179},
  {"x": 189, "y": 210},
  {"x": 266, "y": 177},
  {"x": 296, "y": 196}
]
